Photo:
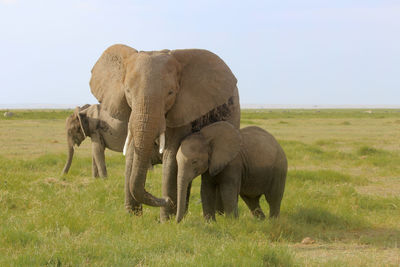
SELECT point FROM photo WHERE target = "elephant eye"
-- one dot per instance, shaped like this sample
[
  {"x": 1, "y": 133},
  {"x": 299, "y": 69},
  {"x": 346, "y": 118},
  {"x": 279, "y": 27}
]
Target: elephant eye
[
  {"x": 170, "y": 92},
  {"x": 194, "y": 162}
]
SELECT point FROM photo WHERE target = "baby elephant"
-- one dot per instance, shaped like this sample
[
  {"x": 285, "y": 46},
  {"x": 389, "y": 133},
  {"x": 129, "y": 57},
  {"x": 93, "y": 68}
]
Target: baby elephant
[
  {"x": 104, "y": 131},
  {"x": 247, "y": 162}
]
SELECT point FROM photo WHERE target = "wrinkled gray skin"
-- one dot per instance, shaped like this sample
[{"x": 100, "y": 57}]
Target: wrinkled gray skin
[
  {"x": 104, "y": 131},
  {"x": 164, "y": 93},
  {"x": 249, "y": 163}
]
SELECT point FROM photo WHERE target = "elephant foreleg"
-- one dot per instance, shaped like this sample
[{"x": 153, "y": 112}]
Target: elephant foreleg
[
  {"x": 169, "y": 182},
  {"x": 95, "y": 171},
  {"x": 98, "y": 155},
  {"x": 219, "y": 207},
  {"x": 229, "y": 196},
  {"x": 208, "y": 196},
  {"x": 229, "y": 186}
]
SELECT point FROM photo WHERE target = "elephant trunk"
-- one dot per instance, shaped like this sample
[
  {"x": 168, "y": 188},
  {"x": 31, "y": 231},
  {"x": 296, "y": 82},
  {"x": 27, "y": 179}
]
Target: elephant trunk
[
  {"x": 183, "y": 184},
  {"x": 145, "y": 129},
  {"x": 70, "y": 156}
]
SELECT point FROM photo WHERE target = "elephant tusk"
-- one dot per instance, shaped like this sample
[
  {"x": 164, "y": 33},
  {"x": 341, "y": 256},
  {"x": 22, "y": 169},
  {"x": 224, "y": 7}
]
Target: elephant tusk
[
  {"x": 126, "y": 143},
  {"x": 162, "y": 142}
]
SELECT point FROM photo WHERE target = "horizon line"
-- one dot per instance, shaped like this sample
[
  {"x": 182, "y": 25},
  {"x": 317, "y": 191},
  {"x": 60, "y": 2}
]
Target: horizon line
[{"x": 243, "y": 106}]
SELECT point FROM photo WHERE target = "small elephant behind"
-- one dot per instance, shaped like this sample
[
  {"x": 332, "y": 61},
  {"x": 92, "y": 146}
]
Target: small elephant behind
[
  {"x": 104, "y": 131},
  {"x": 248, "y": 162}
]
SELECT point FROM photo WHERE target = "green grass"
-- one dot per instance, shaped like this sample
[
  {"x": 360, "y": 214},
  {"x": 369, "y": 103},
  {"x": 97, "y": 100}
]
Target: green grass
[
  {"x": 342, "y": 191},
  {"x": 35, "y": 114},
  {"x": 265, "y": 114}
]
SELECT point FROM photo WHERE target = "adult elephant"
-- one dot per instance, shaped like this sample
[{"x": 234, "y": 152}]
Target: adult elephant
[{"x": 171, "y": 94}]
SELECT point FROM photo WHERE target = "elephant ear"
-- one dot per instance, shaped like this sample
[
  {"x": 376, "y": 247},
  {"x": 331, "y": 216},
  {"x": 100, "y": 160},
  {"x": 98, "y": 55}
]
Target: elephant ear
[
  {"x": 206, "y": 83},
  {"x": 81, "y": 114},
  {"x": 107, "y": 82},
  {"x": 224, "y": 141},
  {"x": 84, "y": 107},
  {"x": 77, "y": 117},
  {"x": 89, "y": 119}
]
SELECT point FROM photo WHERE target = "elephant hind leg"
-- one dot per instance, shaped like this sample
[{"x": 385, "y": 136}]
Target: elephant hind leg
[
  {"x": 274, "y": 198},
  {"x": 274, "y": 206},
  {"x": 274, "y": 194},
  {"x": 254, "y": 206}
]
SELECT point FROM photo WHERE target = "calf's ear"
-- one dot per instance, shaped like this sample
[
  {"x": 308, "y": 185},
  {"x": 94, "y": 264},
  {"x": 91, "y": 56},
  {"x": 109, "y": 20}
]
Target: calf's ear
[{"x": 224, "y": 141}]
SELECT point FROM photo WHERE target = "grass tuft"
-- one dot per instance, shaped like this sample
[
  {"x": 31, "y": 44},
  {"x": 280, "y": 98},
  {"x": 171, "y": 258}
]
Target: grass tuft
[{"x": 44, "y": 114}]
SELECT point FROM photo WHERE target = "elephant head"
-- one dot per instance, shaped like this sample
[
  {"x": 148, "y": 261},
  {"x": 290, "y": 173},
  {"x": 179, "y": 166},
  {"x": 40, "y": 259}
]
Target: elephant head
[
  {"x": 157, "y": 90},
  {"x": 210, "y": 149},
  {"x": 77, "y": 128}
]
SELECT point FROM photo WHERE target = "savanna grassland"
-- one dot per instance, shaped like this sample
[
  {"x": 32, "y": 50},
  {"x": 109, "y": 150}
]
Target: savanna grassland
[{"x": 342, "y": 191}]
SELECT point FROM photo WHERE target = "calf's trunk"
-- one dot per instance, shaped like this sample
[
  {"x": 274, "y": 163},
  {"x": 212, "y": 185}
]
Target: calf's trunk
[{"x": 182, "y": 192}]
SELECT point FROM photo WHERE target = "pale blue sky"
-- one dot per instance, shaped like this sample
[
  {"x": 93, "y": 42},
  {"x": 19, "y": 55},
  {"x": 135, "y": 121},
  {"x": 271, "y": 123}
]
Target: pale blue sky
[{"x": 282, "y": 52}]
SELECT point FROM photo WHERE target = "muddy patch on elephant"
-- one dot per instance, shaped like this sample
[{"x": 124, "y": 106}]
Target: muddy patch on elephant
[{"x": 221, "y": 113}]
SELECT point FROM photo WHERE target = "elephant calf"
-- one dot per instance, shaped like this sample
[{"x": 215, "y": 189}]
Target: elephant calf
[
  {"x": 104, "y": 131},
  {"x": 247, "y": 162}
]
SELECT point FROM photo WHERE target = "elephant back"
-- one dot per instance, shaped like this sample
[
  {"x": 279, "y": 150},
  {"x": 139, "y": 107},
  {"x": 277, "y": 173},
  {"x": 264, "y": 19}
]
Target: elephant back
[{"x": 260, "y": 144}]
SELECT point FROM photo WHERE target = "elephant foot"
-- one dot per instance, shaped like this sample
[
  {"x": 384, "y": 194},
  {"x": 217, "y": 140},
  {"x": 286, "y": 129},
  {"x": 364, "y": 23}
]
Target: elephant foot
[
  {"x": 167, "y": 212},
  {"x": 209, "y": 218},
  {"x": 165, "y": 217},
  {"x": 258, "y": 213},
  {"x": 135, "y": 210}
]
